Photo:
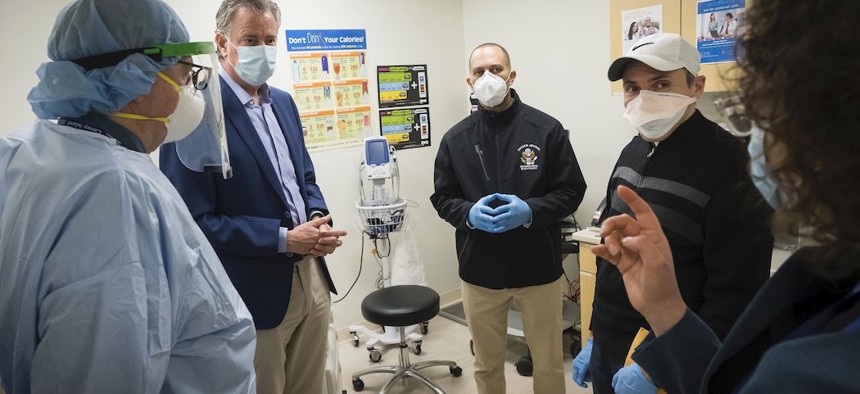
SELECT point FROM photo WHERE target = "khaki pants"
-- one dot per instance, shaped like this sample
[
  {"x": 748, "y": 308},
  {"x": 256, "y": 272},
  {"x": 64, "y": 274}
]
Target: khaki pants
[
  {"x": 290, "y": 358},
  {"x": 540, "y": 307}
]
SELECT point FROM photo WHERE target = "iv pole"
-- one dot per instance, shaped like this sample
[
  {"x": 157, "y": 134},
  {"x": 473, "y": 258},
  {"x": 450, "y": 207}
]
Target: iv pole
[{"x": 382, "y": 212}]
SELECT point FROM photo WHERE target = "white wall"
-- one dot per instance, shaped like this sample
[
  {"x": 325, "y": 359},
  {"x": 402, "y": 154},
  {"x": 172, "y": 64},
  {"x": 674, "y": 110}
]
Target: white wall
[
  {"x": 25, "y": 26},
  {"x": 559, "y": 49}
]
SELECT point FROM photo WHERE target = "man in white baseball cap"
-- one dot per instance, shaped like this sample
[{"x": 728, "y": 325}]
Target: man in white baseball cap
[
  {"x": 693, "y": 173},
  {"x": 663, "y": 52}
]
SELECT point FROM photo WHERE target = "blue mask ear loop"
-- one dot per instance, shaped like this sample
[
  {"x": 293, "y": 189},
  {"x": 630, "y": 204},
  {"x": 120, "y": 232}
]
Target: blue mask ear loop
[
  {"x": 234, "y": 47},
  {"x": 760, "y": 172}
]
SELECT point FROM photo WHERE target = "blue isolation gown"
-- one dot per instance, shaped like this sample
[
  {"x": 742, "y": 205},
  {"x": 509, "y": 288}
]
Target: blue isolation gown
[{"x": 107, "y": 285}]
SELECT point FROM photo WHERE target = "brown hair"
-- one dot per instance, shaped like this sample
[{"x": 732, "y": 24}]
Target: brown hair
[
  {"x": 491, "y": 44},
  {"x": 801, "y": 83},
  {"x": 224, "y": 16}
]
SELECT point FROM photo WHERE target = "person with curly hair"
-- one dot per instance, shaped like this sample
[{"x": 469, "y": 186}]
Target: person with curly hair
[{"x": 801, "y": 333}]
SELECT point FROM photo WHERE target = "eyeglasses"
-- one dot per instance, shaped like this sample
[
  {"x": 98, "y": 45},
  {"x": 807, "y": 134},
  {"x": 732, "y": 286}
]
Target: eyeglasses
[{"x": 199, "y": 74}]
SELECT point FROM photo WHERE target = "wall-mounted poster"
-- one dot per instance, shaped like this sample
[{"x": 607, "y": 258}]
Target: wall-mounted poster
[
  {"x": 406, "y": 128},
  {"x": 329, "y": 72},
  {"x": 402, "y": 86},
  {"x": 638, "y": 23},
  {"x": 718, "y": 23}
]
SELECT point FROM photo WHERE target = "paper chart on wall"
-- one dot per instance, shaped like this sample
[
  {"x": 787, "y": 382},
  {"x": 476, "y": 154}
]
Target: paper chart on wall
[
  {"x": 330, "y": 86},
  {"x": 404, "y": 85},
  {"x": 718, "y": 24},
  {"x": 406, "y": 128},
  {"x": 638, "y": 23}
]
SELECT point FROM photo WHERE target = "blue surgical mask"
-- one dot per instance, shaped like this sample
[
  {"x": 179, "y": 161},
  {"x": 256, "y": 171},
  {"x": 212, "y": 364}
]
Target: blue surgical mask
[
  {"x": 256, "y": 63},
  {"x": 761, "y": 174}
]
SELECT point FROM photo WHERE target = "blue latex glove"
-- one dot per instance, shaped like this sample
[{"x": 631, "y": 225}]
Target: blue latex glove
[
  {"x": 482, "y": 217},
  {"x": 581, "y": 374},
  {"x": 513, "y": 214},
  {"x": 631, "y": 380}
]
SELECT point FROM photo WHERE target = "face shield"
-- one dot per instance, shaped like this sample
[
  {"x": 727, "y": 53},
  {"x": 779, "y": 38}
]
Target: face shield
[
  {"x": 205, "y": 148},
  {"x": 734, "y": 112}
]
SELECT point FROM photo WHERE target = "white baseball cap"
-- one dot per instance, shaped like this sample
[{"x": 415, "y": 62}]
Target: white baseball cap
[{"x": 663, "y": 51}]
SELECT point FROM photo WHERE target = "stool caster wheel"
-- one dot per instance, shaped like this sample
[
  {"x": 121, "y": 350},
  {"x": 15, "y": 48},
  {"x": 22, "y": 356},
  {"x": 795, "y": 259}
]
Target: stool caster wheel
[
  {"x": 417, "y": 348},
  {"x": 354, "y": 336},
  {"x": 375, "y": 356},
  {"x": 456, "y": 371},
  {"x": 425, "y": 327},
  {"x": 524, "y": 366},
  {"x": 358, "y": 384}
]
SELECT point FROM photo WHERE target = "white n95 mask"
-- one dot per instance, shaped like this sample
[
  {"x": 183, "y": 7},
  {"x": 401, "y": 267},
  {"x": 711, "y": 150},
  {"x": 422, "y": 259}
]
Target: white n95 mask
[
  {"x": 653, "y": 114},
  {"x": 256, "y": 63},
  {"x": 490, "y": 89},
  {"x": 187, "y": 115}
]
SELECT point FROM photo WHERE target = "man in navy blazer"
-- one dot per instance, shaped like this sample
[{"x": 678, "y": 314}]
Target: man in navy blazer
[{"x": 269, "y": 223}]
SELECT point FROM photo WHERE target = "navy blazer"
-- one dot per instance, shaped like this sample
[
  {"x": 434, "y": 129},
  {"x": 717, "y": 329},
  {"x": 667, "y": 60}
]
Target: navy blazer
[
  {"x": 241, "y": 215},
  {"x": 690, "y": 359}
]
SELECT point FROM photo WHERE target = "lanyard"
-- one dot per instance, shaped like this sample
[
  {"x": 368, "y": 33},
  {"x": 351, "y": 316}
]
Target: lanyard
[{"x": 100, "y": 125}]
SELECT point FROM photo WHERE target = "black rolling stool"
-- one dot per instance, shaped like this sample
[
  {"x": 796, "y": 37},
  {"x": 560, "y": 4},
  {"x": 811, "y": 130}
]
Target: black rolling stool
[{"x": 402, "y": 306}]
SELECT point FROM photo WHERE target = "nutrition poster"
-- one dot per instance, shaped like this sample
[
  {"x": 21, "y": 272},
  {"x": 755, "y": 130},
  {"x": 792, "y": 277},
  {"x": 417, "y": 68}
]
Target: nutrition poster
[{"x": 329, "y": 73}]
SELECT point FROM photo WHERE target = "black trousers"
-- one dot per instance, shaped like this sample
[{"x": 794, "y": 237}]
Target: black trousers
[{"x": 603, "y": 367}]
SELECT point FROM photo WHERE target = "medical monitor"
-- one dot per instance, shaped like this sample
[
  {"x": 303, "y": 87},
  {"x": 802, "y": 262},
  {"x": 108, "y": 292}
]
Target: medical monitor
[
  {"x": 376, "y": 151},
  {"x": 377, "y": 158}
]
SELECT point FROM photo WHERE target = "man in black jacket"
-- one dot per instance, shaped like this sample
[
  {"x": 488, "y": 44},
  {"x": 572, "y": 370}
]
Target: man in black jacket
[
  {"x": 505, "y": 177},
  {"x": 693, "y": 174}
]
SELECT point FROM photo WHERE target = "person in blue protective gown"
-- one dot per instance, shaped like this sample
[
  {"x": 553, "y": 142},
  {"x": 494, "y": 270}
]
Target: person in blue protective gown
[{"x": 107, "y": 284}]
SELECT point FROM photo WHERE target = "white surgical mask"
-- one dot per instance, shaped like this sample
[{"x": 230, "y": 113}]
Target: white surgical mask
[
  {"x": 256, "y": 63},
  {"x": 490, "y": 89},
  {"x": 185, "y": 118},
  {"x": 653, "y": 114}
]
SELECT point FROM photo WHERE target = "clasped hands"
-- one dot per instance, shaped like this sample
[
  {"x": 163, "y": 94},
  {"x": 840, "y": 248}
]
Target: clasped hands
[
  {"x": 314, "y": 238},
  {"x": 513, "y": 213}
]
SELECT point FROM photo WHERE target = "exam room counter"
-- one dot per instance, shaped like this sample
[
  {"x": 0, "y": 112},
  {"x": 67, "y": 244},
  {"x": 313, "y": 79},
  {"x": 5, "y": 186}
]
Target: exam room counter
[{"x": 588, "y": 270}]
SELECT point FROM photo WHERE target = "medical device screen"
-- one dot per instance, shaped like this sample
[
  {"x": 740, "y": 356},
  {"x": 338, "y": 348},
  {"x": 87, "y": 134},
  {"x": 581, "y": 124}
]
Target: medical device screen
[{"x": 376, "y": 152}]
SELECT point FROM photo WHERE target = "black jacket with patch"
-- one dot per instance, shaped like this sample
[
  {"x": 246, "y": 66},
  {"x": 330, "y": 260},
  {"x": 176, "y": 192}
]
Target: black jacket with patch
[
  {"x": 520, "y": 151},
  {"x": 715, "y": 221}
]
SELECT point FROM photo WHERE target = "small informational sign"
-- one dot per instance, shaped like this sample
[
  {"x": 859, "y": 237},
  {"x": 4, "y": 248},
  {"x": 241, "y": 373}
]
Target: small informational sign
[
  {"x": 351, "y": 93},
  {"x": 313, "y": 96},
  {"x": 639, "y": 23},
  {"x": 348, "y": 65},
  {"x": 402, "y": 86},
  {"x": 718, "y": 24},
  {"x": 310, "y": 67},
  {"x": 407, "y": 127},
  {"x": 318, "y": 127}
]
